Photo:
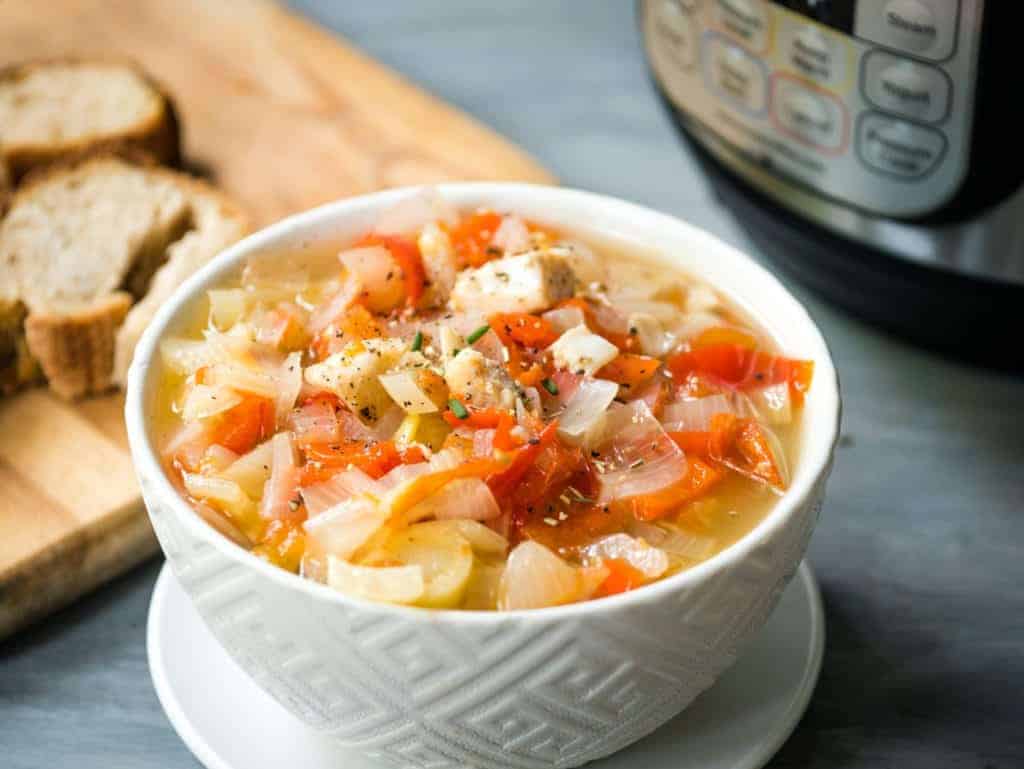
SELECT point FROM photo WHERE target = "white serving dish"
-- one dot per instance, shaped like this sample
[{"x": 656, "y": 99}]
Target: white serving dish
[{"x": 543, "y": 688}]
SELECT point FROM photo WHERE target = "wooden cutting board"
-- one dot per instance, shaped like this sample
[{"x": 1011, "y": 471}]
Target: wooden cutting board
[{"x": 283, "y": 115}]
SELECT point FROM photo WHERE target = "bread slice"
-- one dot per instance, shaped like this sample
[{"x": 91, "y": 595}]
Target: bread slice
[
  {"x": 83, "y": 241},
  {"x": 57, "y": 110}
]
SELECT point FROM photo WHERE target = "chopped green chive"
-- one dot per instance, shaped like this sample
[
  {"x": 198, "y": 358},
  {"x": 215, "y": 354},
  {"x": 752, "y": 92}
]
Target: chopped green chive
[
  {"x": 550, "y": 386},
  {"x": 417, "y": 342},
  {"x": 477, "y": 334},
  {"x": 458, "y": 409}
]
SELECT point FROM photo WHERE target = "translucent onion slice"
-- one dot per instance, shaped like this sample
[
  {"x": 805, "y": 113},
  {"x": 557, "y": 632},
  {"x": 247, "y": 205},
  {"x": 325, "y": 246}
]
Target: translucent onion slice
[
  {"x": 651, "y": 335},
  {"x": 637, "y": 456},
  {"x": 280, "y": 493},
  {"x": 468, "y": 498},
  {"x": 205, "y": 401},
  {"x": 695, "y": 414},
  {"x": 289, "y": 386},
  {"x": 390, "y": 584},
  {"x": 186, "y": 356},
  {"x": 225, "y": 494},
  {"x": 341, "y": 487},
  {"x": 243, "y": 379},
  {"x": 315, "y": 422},
  {"x": 773, "y": 404},
  {"x": 646, "y": 558},
  {"x": 327, "y": 312},
  {"x": 379, "y": 274},
  {"x": 344, "y": 528},
  {"x": 535, "y": 577},
  {"x": 251, "y": 471},
  {"x": 483, "y": 540},
  {"x": 227, "y": 306},
  {"x": 406, "y": 393},
  {"x": 677, "y": 542},
  {"x": 586, "y": 409}
]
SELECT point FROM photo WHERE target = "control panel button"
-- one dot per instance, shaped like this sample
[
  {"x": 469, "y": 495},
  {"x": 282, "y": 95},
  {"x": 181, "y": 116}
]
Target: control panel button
[
  {"x": 898, "y": 148},
  {"x": 906, "y": 87},
  {"x": 745, "y": 20},
  {"x": 925, "y": 28},
  {"x": 675, "y": 25},
  {"x": 810, "y": 116},
  {"x": 738, "y": 76},
  {"x": 815, "y": 54}
]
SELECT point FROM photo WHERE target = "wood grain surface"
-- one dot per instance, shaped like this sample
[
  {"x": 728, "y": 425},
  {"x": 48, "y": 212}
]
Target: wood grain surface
[{"x": 284, "y": 116}]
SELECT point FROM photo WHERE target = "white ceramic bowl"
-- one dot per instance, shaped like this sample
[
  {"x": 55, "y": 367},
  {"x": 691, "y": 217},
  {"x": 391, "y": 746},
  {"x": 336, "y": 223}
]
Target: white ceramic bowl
[{"x": 544, "y": 688}]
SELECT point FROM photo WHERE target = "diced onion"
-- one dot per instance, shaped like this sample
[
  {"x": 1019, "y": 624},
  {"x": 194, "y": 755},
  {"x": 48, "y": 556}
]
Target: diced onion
[
  {"x": 405, "y": 392},
  {"x": 586, "y": 408},
  {"x": 280, "y": 493},
  {"x": 379, "y": 274},
  {"x": 390, "y": 584},
  {"x": 344, "y": 528},
  {"x": 289, "y": 386},
  {"x": 638, "y": 457},
  {"x": 250, "y": 471},
  {"x": 205, "y": 401},
  {"x": 695, "y": 414},
  {"x": 339, "y": 488},
  {"x": 564, "y": 318},
  {"x": 227, "y": 306},
  {"x": 581, "y": 351},
  {"x": 644, "y": 557},
  {"x": 535, "y": 577},
  {"x": 512, "y": 235},
  {"x": 651, "y": 335}
]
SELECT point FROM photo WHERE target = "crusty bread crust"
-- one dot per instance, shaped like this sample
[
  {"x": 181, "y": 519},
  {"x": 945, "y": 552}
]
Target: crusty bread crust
[
  {"x": 158, "y": 137},
  {"x": 76, "y": 350}
]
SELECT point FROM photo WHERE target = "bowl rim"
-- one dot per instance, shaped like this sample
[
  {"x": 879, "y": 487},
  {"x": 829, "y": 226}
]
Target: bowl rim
[{"x": 812, "y": 468}]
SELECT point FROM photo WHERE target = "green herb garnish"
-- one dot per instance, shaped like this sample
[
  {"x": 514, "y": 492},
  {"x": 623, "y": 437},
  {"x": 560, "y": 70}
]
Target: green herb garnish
[
  {"x": 458, "y": 409},
  {"x": 477, "y": 334},
  {"x": 417, "y": 342},
  {"x": 550, "y": 386}
]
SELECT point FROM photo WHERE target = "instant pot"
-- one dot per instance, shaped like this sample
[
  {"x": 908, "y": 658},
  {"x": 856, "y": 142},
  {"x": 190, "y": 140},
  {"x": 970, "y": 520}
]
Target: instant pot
[{"x": 873, "y": 148}]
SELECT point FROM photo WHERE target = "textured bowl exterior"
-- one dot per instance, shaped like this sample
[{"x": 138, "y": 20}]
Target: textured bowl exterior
[{"x": 419, "y": 688}]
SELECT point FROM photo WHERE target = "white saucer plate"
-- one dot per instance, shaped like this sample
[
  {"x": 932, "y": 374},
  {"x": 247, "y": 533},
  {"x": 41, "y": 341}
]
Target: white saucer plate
[{"x": 228, "y": 722}]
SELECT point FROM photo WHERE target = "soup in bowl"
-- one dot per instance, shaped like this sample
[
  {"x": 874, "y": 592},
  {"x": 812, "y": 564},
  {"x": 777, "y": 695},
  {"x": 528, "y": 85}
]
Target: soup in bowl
[{"x": 486, "y": 475}]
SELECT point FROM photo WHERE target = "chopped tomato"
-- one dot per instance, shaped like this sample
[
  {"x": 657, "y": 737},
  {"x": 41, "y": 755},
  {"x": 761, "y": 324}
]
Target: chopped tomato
[
  {"x": 243, "y": 426},
  {"x": 583, "y": 524},
  {"x": 699, "y": 479},
  {"x": 527, "y": 373},
  {"x": 742, "y": 445},
  {"x": 471, "y": 238},
  {"x": 503, "y": 483},
  {"x": 374, "y": 459},
  {"x": 622, "y": 577},
  {"x": 736, "y": 366},
  {"x": 528, "y": 330},
  {"x": 630, "y": 370},
  {"x": 498, "y": 420},
  {"x": 355, "y": 325},
  {"x": 407, "y": 254},
  {"x": 282, "y": 544}
]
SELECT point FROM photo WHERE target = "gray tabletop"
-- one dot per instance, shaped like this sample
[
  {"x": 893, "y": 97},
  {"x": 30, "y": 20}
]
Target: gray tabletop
[{"x": 918, "y": 549}]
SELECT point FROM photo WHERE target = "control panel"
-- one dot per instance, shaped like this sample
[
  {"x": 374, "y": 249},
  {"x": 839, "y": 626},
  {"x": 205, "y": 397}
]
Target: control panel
[{"x": 869, "y": 103}]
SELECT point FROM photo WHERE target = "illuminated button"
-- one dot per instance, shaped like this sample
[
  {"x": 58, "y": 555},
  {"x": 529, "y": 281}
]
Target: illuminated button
[
  {"x": 906, "y": 87},
  {"x": 899, "y": 148},
  {"x": 812, "y": 117},
  {"x": 923, "y": 27},
  {"x": 816, "y": 55},
  {"x": 676, "y": 29},
  {"x": 746, "y": 20},
  {"x": 737, "y": 75}
]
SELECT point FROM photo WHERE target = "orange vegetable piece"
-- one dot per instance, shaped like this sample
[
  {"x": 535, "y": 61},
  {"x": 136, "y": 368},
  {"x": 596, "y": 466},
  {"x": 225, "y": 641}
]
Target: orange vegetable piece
[
  {"x": 736, "y": 366},
  {"x": 504, "y": 482},
  {"x": 483, "y": 419},
  {"x": 623, "y": 577},
  {"x": 526, "y": 373},
  {"x": 528, "y": 330},
  {"x": 742, "y": 445},
  {"x": 630, "y": 370},
  {"x": 356, "y": 324},
  {"x": 374, "y": 459},
  {"x": 700, "y": 478},
  {"x": 693, "y": 441},
  {"x": 243, "y": 426},
  {"x": 724, "y": 335},
  {"x": 471, "y": 238}
]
